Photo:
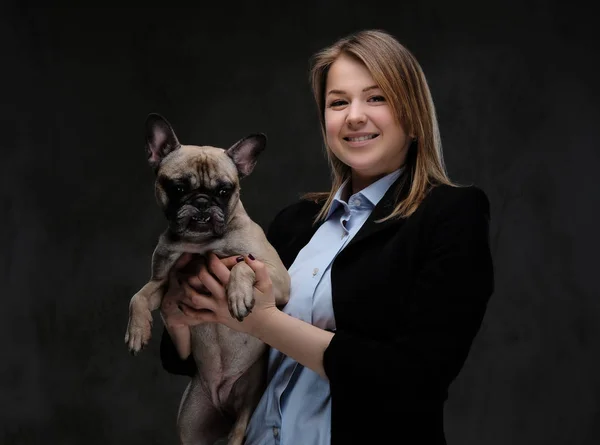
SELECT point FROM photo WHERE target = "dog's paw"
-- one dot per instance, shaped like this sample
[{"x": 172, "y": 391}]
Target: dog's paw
[
  {"x": 138, "y": 334},
  {"x": 241, "y": 301}
]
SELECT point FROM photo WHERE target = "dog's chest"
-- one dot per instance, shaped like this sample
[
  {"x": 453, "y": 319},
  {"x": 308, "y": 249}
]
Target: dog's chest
[{"x": 220, "y": 247}]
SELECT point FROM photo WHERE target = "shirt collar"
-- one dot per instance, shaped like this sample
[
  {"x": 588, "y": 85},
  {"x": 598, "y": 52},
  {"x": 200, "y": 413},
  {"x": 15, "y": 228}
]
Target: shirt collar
[{"x": 373, "y": 193}]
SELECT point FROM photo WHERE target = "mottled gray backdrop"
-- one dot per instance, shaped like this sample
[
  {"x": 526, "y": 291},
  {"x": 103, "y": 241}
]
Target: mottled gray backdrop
[{"x": 516, "y": 90}]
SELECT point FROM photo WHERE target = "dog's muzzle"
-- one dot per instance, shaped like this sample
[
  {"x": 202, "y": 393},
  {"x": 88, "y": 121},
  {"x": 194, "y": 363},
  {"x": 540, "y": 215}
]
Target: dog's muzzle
[{"x": 192, "y": 218}]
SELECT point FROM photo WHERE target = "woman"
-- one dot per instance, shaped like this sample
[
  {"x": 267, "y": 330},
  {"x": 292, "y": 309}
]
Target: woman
[{"x": 391, "y": 270}]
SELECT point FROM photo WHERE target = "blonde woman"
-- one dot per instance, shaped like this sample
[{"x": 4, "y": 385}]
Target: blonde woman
[{"x": 391, "y": 269}]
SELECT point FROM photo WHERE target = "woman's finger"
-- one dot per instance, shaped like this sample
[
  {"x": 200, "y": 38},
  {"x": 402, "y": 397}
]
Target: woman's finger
[
  {"x": 231, "y": 261},
  {"x": 263, "y": 280},
  {"x": 210, "y": 282},
  {"x": 182, "y": 261},
  {"x": 195, "y": 282},
  {"x": 198, "y": 315},
  {"x": 218, "y": 268},
  {"x": 176, "y": 318},
  {"x": 195, "y": 300}
]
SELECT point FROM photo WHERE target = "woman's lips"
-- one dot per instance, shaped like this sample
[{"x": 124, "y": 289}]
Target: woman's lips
[{"x": 360, "y": 141}]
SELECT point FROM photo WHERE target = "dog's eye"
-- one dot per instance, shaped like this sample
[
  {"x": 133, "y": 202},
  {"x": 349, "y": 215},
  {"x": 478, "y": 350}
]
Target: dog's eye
[
  {"x": 178, "y": 189},
  {"x": 223, "y": 192}
]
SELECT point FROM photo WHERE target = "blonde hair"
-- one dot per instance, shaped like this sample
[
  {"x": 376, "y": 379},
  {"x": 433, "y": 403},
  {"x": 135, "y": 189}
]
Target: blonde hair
[{"x": 400, "y": 77}]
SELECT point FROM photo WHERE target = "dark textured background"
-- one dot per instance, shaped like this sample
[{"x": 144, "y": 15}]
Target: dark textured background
[{"x": 516, "y": 89}]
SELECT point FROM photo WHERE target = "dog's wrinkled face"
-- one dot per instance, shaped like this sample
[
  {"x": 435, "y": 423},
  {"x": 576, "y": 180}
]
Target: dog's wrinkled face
[{"x": 198, "y": 187}]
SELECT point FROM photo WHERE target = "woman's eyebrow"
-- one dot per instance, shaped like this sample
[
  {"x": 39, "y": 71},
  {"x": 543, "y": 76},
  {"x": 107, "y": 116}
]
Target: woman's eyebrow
[{"x": 372, "y": 87}]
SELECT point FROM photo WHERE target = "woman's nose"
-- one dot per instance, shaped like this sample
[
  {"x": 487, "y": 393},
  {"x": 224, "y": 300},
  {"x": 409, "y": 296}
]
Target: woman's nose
[{"x": 356, "y": 115}]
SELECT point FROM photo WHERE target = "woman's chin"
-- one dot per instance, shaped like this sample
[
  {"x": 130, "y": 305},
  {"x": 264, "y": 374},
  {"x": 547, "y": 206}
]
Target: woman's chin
[{"x": 365, "y": 167}]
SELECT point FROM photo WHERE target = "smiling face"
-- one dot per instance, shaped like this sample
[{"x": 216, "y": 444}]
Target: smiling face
[{"x": 360, "y": 126}]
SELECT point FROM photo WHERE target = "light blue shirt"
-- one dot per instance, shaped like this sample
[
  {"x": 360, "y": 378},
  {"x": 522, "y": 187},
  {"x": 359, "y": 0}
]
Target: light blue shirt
[{"x": 295, "y": 408}]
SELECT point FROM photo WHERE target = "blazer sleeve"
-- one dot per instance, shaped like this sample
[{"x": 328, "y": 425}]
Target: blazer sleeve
[
  {"x": 444, "y": 313},
  {"x": 169, "y": 357}
]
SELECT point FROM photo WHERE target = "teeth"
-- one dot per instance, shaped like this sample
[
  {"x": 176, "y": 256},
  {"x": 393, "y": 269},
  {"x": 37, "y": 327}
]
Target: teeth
[{"x": 362, "y": 138}]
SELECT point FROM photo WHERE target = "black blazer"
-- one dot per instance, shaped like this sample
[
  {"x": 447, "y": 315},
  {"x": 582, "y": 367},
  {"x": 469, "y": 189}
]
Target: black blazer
[{"x": 409, "y": 296}]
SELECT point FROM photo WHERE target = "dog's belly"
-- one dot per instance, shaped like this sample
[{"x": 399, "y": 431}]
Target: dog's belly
[{"x": 223, "y": 356}]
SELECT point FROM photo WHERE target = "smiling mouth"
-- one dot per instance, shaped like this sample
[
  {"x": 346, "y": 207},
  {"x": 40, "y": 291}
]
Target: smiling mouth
[{"x": 361, "y": 138}]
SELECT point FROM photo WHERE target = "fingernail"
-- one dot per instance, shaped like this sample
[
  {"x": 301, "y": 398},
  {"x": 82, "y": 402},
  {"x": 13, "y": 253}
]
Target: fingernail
[
  {"x": 240, "y": 258},
  {"x": 251, "y": 257}
]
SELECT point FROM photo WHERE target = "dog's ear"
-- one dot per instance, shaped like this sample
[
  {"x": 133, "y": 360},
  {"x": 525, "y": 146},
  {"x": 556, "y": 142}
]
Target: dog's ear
[
  {"x": 245, "y": 152},
  {"x": 160, "y": 139}
]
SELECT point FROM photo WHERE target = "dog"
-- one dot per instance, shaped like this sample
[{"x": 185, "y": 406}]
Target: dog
[{"x": 198, "y": 189}]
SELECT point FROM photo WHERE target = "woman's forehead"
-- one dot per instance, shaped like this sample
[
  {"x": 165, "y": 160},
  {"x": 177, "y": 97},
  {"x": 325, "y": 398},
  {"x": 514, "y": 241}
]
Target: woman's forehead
[{"x": 349, "y": 73}]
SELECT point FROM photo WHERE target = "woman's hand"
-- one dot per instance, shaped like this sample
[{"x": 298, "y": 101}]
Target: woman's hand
[
  {"x": 198, "y": 307},
  {"x": 297, "y": 339},
  {"x": 187, "y": 267},
  {"x": 172, "y": 316}
]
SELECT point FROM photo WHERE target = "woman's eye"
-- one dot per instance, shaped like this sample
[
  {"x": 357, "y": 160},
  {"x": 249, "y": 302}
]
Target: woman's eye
[
  {"x": 337, "y": 103},
  {"x": 377, "y": 99}
]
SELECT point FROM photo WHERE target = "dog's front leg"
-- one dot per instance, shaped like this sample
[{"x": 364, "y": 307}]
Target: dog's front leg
[
  {"x": 240, "y": 289},
  {"x": 148, "y": 299}
]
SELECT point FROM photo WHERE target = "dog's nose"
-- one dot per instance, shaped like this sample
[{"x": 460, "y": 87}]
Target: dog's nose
[{"x": 202, "y": 202}]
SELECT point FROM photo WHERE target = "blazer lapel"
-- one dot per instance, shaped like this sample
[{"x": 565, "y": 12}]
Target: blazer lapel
[
  {"x": 303, "y": 229},
  {"x": 397, "y": 191}
]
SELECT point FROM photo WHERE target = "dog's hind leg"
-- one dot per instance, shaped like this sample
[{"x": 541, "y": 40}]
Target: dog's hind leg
[
  {"x": 245, "y": 395},
  {"x": 199, "y": 422}
]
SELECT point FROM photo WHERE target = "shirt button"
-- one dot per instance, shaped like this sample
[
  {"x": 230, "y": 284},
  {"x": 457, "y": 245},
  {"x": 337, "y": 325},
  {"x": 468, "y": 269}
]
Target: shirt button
[
  {"x": 315, "y": 271},
  {"x": 275, "y": 431}
]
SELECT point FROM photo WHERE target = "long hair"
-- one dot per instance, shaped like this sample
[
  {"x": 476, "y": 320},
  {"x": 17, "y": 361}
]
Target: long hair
[{"x": 400, "y": 77}]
